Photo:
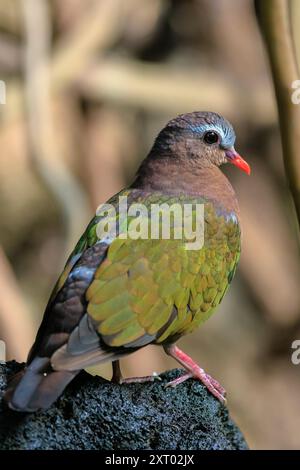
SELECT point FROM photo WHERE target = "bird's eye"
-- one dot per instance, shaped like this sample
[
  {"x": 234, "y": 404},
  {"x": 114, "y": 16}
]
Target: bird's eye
[{"x": 211, "y": 137}]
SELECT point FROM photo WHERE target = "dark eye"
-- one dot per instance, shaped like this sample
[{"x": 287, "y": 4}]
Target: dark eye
[{"x": 211, "y": 137}]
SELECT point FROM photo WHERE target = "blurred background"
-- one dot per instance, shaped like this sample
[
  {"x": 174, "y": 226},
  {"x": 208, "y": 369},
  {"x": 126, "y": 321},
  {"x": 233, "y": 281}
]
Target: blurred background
[{"x": 88, "y": 86}]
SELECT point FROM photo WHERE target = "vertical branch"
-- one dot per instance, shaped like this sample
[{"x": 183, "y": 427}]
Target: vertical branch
[
  {"x": 44, "y": 152},
  {"x": 274, "y": 20},
  {"x": 295, "y": 19}
]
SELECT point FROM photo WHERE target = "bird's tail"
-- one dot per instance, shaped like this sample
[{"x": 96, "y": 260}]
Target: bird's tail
[{"x": 37, "y": 386}]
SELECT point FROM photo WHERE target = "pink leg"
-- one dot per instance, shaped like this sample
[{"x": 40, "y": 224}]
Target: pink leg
[
  {"x": 194, "y": 371},
  {"x": 117, "y": 376}
]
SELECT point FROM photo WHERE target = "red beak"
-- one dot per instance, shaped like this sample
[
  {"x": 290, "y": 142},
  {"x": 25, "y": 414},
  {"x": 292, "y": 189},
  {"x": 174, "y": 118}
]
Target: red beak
[{"x": 237, "y": 160}]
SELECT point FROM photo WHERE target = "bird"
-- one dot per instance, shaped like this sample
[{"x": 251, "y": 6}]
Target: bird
[{"x": 119, "y": 293}]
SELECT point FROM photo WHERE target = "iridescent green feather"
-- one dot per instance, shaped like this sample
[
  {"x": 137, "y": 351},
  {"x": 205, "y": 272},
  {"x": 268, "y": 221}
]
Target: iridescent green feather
[{"x": 158, "y": 287}]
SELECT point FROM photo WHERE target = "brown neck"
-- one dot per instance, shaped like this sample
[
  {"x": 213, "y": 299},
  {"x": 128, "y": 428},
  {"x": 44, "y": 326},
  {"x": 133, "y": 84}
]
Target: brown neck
[{"x": 171, "y": 178}]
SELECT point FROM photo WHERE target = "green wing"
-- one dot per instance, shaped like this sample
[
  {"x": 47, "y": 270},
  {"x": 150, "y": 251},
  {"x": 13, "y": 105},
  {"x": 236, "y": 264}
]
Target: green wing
[
  {"x": 158, "y": 289},
  {"x": 155, "y": 290}
]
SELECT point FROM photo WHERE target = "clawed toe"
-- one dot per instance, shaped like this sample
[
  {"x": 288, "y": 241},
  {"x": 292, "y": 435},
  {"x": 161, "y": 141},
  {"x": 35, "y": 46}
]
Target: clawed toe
[
  {"x": 211, "y": 384},
  {"x": 179, "y": 380},
  {"x": 147, "y": 378},
  {"x": 217, "y": 386}
]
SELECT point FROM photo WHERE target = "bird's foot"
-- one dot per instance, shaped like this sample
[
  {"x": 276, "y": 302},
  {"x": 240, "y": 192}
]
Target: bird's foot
[
  {"x": 194, "y": 371},
  {"x": 146, "y": 378},
  {"x": 117, "y": 376},
  {"x": 211, "y": 384}
]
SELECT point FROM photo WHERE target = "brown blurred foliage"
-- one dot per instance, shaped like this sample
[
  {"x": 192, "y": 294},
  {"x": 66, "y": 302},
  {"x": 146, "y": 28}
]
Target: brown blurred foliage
[{"x": 88, "y": 85}]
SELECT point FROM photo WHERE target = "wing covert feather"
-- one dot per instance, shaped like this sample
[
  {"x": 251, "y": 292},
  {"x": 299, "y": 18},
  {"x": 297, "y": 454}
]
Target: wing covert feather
[{"x": 153, "y": 291}]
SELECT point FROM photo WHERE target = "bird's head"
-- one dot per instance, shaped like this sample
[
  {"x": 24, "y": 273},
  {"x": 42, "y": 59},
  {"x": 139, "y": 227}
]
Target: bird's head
[{"x": 204, "y": 138}]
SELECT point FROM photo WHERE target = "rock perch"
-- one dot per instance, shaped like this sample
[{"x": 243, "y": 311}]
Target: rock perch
[{"x": 96, "y": 414}]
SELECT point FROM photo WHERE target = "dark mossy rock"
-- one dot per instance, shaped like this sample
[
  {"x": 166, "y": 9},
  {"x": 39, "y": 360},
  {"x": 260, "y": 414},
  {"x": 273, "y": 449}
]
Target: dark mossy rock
[{"x": 96, "y": 414}]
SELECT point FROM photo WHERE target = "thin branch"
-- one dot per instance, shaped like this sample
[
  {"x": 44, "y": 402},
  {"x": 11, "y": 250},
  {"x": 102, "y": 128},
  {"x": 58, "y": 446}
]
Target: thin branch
[
  {"x": 274, "y": 20},
  {"x": 96, "y": 30}
]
